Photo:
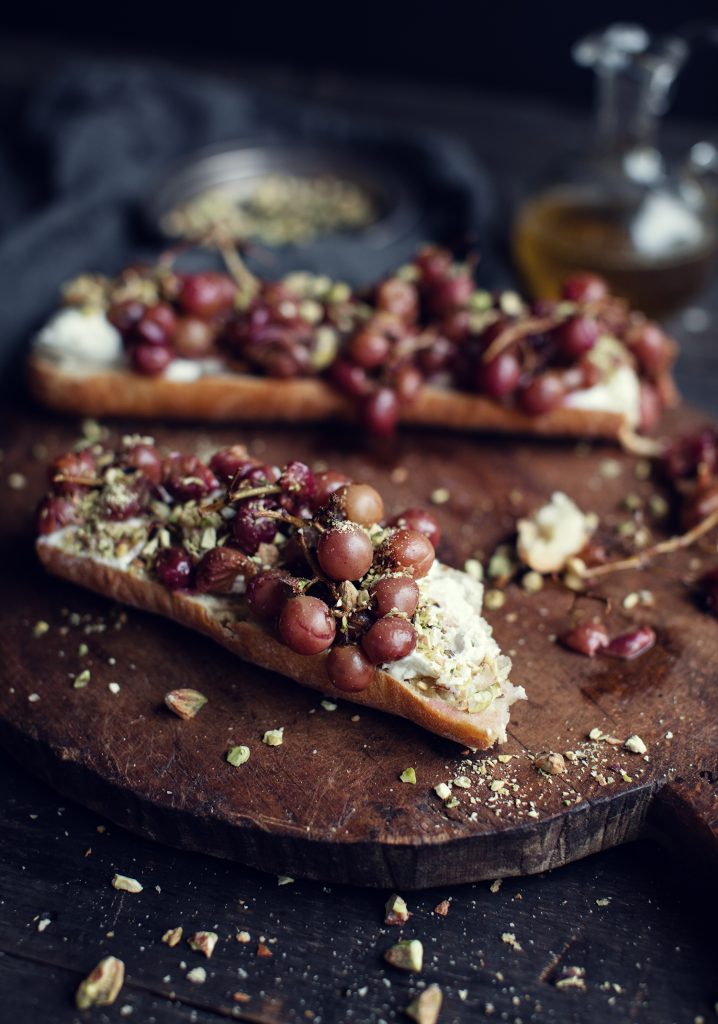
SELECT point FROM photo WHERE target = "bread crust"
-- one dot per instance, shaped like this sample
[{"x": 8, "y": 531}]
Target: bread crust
[
  {"x": 243, "y": 397},
  {"x": 252, "y": 643}
]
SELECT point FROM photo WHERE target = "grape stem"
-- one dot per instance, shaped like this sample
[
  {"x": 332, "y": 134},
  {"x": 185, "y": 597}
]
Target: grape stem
[{"x": 665, "y": 547}]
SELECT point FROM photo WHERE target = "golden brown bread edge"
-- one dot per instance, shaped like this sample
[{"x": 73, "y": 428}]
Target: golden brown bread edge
[
  {"x": 254, "y": 644},
  {"x": 242, "y": 397}
]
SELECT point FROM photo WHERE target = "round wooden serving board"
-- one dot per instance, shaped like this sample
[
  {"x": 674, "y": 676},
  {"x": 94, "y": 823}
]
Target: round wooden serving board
[{"x": 328, "y": 803}]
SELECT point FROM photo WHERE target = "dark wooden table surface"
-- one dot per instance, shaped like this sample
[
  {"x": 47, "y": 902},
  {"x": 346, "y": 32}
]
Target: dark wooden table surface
[{"x": 640, "y": 920}]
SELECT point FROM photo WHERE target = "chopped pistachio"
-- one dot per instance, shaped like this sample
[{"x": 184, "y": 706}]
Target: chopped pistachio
[
  {"x": 658, "y": 506},
  {"x": 407, "y": 955},
  {"x": 40, "y": 628},
  {"x": 495, "y": 885},
  {"x": 113, "y": 688},
  {"x": 425, "y": 1008},
  {"x": 551, "y": 763},
  {"x": 329, "y": 705},
  {"x": 633, "y": 502},
  {"x": 494, "y": 599},
  {"x": 102, "y": 986},
  {"x": 172, "y": 936},
  {"x": 243, "y": 937},
  {"x": 237, "y": 755},
  {"x": 603, "y": 902},
  {"x": 462, "y": 781},
  {"x": 510, "y": 939},
  {"x": 532, "y": 582},
  {"x": 504, "y": 758},
  {"x": 126, "y": 884},
  {"x": 396, "y": 910},
  {"x": 451, "y": 803},
  {"x": 203, "y": 942},
  {"x": 610, "y": 469},
  {"x": 274, "y": 737},
  {"x": 497, "y": 785},
  {"x": 442, "y": 909},
  {"x": 33, "y": 698},
  {"x": 443, "y": 791},
  {"x": 185, "y": 703},
  {"x": 474, "y": 568},
  {"x": 83, "y": 650},
  {"x": 636, "y": 745},
  {"x": 440, "y": 496},
  {"x": 17, "y": 481},
  {"x": 82, "y": 679},
  {"x": 408, "y": 775},
  {"x": 197, "y": 975},
  {"x": 631, "y": 600}
]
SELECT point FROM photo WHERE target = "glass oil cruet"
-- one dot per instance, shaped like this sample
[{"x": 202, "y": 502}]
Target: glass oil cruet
[{"x": 620, "y": 209}]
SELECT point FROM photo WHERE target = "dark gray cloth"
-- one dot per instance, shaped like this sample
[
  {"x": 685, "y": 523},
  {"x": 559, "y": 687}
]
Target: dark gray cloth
[{"x": 96, "y": 137}]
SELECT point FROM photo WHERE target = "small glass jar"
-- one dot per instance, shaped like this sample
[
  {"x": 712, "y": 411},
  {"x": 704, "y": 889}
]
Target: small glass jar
[{"x": 620, "y": 209}]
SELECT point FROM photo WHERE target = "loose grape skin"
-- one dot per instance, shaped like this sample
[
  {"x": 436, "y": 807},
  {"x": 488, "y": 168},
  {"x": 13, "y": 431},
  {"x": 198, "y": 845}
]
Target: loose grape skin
[
  {"x": 326, "y": 483},
  {"x": 389, "y": 639},
  {"x": 422, "y": 520},
  {"x": 306, "y": 625},
  {"x": 345, "y": 553},
  {"x": 500, "y": 376},
  {"x": 173, "y": 568},
  {"x": 411, "y": 551},
  {"x": 361, "y": 503},
  {"x": 395, "y": 593},
  {"x": 349, "y": 669}
]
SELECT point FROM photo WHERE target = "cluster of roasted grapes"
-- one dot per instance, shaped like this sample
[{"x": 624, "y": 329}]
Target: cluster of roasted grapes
[
  {"x": 428, "y": 323},
  {"x": 186, "y": 323},
  {"x": 308, "y": 549},
  {"x": 321, "y": 525}
]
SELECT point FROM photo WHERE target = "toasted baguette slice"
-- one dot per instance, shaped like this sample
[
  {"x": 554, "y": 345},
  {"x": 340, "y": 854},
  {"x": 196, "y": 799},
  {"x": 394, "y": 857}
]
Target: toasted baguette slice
[
  {"x": 227, "y": 621},
  {"x": 243, "y": 397}
]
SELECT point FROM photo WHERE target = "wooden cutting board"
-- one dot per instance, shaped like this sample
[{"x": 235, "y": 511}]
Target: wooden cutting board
[{"x": 328, "y": 803}]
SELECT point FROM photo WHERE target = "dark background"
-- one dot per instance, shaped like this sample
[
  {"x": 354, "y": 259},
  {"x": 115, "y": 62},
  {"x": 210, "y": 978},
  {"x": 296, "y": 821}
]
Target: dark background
[{"x": 507, "y": 47}]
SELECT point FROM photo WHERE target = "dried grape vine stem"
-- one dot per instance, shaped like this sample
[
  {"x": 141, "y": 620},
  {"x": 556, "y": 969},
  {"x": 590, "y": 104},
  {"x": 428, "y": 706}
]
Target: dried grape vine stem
[{"x": 665, "y": 547}]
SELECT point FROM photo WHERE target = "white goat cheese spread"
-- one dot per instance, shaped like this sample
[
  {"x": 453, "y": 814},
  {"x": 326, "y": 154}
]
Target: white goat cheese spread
[
  {"x": 456, "y": 657},
  {"x": 82, "y": 338},
  {"x": 619, "y": 389}
]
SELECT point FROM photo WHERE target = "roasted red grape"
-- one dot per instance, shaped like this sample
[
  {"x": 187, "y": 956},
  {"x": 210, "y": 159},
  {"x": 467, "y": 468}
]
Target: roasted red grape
[
  {"x": 56, "y": 512},
  {"x": 361, "y": 503},
  {"x": 345, "y": 552},
  {"x": 450, "y": 294},
  {"x": 408, "y": 382},
  {"x": 583, "y": 287},
  {"x": 72, "y": 472},
  {"x": 499, "y": 377},
  {"x": 124, "y": 315},
  {"x": 306, "y": 625},
  {"x": 349, "y": 669},
  {"x": 349, "y": 378},
  {"x": 298, "y": 479},
  {"x": 228, "y": 462},
  {"x": 380, "y": 412},
  {"x": 650, "y": 347},
  {"x": 395, "y": 593},
  {"x": 145, "y": 458},
  {"x": 206, "y": 294},
  {"x": 542, "y": 394},
  {"x": 250, "y": 528},
  {"x": 220, "y": 569},
  {"x": 577, "y": 336},
  {"x": 150, "y": 360},
  {"x": 586, "y": 638},
  {"x": 173, "y": 568},
  {"x": 156, "y": 326},
  {"x": 193, "y": 338},
  {"x": 389, "y": 639},
  {"x": 422, "y": 520},
  {"x": 409, "y": 550},
  {"x": 187, "y": 478},
  {"x": 326, "y": 484},
  {"x": 268, "y": 590},
  {"x": 369, "y": 348},
  {"x": 398, "y": 297}
]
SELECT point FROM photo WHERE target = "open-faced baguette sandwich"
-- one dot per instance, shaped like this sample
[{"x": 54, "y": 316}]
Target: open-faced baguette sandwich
[
  {"x": 291, "y": 571},
  {"x": 423, "y": 346}
]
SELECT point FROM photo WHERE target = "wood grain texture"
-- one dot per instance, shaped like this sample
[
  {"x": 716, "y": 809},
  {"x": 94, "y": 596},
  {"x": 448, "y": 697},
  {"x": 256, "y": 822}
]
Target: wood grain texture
[{"x": 328, "y": 803}]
